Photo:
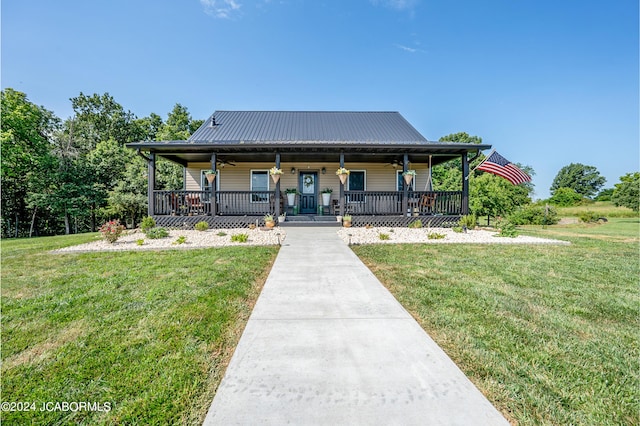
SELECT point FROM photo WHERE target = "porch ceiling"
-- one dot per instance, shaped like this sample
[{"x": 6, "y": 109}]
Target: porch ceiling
[{"x": 186, "y": 152}]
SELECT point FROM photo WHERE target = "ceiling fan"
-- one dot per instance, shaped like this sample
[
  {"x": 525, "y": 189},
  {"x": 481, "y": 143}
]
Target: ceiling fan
[{"x": 226, "y": 163}]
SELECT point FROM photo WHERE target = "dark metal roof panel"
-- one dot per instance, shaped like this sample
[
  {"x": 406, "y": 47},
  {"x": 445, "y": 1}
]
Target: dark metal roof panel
[{"x": 307, "y": 126}]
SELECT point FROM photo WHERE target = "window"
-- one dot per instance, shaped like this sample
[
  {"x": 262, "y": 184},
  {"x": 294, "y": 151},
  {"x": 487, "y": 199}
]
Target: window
[
  {"x": 400, "y": 182},
  {"x": 357, "y": 182},
  {"x": 260, "y": 182}
]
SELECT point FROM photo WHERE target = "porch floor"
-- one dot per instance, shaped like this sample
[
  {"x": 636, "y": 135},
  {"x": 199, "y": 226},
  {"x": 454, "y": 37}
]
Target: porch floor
[{"x": 311, "y": 220}]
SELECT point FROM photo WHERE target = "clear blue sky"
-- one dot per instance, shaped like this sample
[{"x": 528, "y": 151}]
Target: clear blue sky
[{"x": 547, "y": 83}]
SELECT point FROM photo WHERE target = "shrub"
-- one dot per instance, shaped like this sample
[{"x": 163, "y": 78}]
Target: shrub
[
  {"x": 589, "y": 216},
  {"x": 221, "y": 234},
  {"x": 457, "y": 229},
  {"x": 565, "y": 197},
  {"x": 383, "y": 236},
  {"x": 469, "y": 221},
  {"x": 436, "y": 236},
  {"x": 147, "y": 223},
  {"x": 534, "y": 214},
  {"x": 157, "y": 233},
  {"x": 180, "y": 240},
  {"x": 415, "y": 224},
  {"x": 201, "y": 226},
  {"x": 240, "y": 238},
  {"x": 140, "y": 241},
  {"x": 111, "y": 231},
  {"x": 506, "y": 229}
]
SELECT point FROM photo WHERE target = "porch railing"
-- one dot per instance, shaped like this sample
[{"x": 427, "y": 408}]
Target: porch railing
[
  {"x": 254, "y": 203},
  {"x": 390, "y": 202},
  {"x": 238, "y": 203}
]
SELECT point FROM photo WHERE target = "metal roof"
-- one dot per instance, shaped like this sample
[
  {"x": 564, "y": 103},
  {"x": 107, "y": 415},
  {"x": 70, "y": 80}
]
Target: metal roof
[{"x": 307, "y": 127}]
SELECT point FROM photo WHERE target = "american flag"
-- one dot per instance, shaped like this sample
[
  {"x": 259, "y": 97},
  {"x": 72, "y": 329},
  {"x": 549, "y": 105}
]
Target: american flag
[{"x": 498, "y": 165}]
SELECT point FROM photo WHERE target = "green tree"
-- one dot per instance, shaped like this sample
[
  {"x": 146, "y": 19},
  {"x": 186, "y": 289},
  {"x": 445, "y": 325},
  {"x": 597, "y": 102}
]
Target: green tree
[
  {"x": 565, "y": 197},
  {"x": 491, "y": 195},
  {"x": 627, "y": 192},
  {"x": 448, "y": 176},
  {"x": 585, "y": 180},
  {"x": 26, "y": 156}
]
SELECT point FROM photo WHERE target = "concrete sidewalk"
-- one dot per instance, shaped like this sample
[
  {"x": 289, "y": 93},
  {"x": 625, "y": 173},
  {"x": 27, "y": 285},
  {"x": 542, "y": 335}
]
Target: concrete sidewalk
[{"x": 327, "y": 344}]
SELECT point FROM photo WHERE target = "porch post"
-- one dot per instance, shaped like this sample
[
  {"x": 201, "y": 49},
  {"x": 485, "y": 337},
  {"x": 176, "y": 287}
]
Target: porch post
[
  {"x": 465, "y": 184},
  {"x": 214, "y": 198},
  {"x": 341, "y": 186},
  {"x": 151, "y": 183},
  {"x": 405, "y": 187},
  {"x": 276, "y": 202}
]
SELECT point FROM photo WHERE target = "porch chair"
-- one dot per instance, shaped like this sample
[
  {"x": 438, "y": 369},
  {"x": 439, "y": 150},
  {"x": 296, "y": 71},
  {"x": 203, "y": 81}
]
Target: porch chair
[
  {"x": 194, "y": 204},
  {"x": 427, "y": 203}
]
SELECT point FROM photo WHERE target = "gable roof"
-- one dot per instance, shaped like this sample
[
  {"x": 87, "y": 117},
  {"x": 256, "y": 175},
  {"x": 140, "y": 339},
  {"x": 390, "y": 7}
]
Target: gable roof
[{"x": 300, "y": 127}]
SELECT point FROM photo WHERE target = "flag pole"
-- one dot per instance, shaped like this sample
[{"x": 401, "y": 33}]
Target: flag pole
[{"x": 485, "y": 159}]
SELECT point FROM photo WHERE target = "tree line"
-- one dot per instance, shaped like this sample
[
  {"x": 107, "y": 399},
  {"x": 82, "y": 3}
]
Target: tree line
[{"x": 69, "y": 176}]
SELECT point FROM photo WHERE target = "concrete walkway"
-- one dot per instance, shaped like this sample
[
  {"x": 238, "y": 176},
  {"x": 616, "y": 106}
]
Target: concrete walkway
[{"x": 327, "y": 344}]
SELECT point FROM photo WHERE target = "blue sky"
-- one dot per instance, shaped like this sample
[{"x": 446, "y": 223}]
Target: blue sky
[{"x": 547, "y": 83}]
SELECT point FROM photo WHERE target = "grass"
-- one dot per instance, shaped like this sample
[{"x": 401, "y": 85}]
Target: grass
[
  {"x": 548, "y": 333},
  {"x": 149, "y": 332},
  {"x": 602, "y": 208}
]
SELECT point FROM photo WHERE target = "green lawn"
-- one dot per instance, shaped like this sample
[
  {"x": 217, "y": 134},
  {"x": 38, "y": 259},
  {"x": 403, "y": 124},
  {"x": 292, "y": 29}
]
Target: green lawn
[
  {"x": 148, "y": 332},
  {"x": 548, "y": 333}
]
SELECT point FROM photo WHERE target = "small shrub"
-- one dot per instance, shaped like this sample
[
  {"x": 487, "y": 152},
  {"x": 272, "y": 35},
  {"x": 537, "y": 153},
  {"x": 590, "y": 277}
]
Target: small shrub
[
  {"x": 140, "y": 241},
  {"x": 506, "y": 229},
  {"x": 157, "y": 233},
  {"x": 240, "y": 238},
  {"x": 111, "y": 231},
  {"x": 457, "y": 229},
  {"x": 589, "y": 216},
  {"x": 565, "y": 197},
  {"x": 180, "y": 240},
  {"x": 469, "y": 221},
  {"x": 383, "y": 236},
  {"x": 535, "y": 214},
  {"x": 201, "y": 226},
  {"x": 415, "y": 224},
  {"x": 147, "y": 223},
  {"x": 221, "y": 234},
  {"x": 436, "y": 236}
]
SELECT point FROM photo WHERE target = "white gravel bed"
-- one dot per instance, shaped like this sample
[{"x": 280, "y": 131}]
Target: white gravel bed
[
  {"x": 421, "y": 235},
  {"x": 194, "y": 239}
]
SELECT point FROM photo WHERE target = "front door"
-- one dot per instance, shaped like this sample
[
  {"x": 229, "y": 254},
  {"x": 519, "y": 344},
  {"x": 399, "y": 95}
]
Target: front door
[{"x": 308, "y": 192}]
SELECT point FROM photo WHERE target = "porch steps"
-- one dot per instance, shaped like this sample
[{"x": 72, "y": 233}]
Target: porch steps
[{"x": 304, "y": 220}]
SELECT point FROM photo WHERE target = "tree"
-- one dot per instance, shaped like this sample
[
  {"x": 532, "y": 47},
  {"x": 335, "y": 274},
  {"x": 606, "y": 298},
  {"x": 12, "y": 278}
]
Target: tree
[
  {"x": 627, "y": 192},
  {"x": 491, "y": 195},
  {"x": 26, "y": 156},
  {"x": 585, "y": 180},
  {"x": 565, "y": 197},
  {"x": 448, "y": 176}
]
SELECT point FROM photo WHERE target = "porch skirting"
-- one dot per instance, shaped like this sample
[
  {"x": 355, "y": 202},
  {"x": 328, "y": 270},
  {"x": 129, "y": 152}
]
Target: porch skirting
[{"x": 222, "y": 222}]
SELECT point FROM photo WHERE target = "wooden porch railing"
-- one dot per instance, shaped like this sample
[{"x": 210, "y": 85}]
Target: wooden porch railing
[
  {"x": 237, "y": 203},
  {"x": 390, "y": 202},
  {"x": 255, "y": 203}
]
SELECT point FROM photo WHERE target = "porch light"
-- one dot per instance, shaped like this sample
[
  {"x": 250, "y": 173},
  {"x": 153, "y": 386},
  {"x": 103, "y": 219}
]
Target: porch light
[
  {"x": 293, "y": 170},
  {"x": 324, "y": 170}
]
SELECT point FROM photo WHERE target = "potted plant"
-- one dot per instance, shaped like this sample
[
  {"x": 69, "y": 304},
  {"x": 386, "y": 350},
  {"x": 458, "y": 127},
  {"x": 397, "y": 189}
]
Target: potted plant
[
  {"x": 343, "y": 174},
  {"x": 275, "y": 174},
  {"x": 346, "y": 221},
  {"x": 282, "y": 217},
  {"x": 326, "y": 196},
  {"x": 210, "y": 175},
  {"x": 408, "y": 176},
  {"x": 268, "y": 221},
  {"x": 291, "y": 195}
]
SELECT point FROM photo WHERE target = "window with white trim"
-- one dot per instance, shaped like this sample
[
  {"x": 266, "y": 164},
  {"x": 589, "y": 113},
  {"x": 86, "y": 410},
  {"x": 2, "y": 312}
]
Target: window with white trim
[
  {"x": 400, "y": 182},
  {"x": 260, "y": 182},
  {"x": 204, "y": 182}
]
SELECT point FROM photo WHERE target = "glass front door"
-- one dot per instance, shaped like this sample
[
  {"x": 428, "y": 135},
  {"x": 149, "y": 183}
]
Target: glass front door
[{"x": 308, "y": 192}]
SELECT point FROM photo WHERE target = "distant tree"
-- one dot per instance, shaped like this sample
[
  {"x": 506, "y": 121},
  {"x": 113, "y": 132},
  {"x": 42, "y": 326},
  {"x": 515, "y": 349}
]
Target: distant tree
[
  {"x": 491, "y": 195},
  {"x": 148, "y": 127},
  {"x": 585, "y": 180},
  {"x": 26, "y": 159},
  {"x": 627, "y": 192},
  {"x": 565, "y": 197},
  {"x": 604, "y": 195},
  {"x": 448, "y": 176}
]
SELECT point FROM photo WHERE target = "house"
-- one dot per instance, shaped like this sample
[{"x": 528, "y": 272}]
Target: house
[{"x": 308, "y": 147}]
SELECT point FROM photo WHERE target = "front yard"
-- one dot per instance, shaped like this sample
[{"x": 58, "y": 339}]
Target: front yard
[{"x": 146, "y": 333}]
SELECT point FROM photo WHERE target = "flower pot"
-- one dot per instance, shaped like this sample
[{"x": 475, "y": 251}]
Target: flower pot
[
  {"x": 346, "y": 223},
  {"x": 211, "y": 177},
  {"x": 326, "y": 199},
  {"x": 408, "y": 179},
  {"x": 343, "y": 178},
  {"x": 275, "y": 178},
  {"x": 291, "y": 199},
  {"x": 270, "y": 224}
]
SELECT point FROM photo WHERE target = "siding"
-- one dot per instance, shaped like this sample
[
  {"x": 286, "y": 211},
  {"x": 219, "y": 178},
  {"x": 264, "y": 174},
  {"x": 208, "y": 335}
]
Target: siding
[{"x": 379, "y": 177}]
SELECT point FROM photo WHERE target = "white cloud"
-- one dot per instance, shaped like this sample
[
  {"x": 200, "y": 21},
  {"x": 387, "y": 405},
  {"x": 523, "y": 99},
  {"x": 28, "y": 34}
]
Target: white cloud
[
  {"x": 409, "y": 49},
  {"x": 224, "y": 9},
  {"x": 396, "y": 4}
]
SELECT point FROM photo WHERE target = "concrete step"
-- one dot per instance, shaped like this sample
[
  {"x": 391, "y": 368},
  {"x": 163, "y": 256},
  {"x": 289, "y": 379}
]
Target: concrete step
[{"x": 308, "y": 220}]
